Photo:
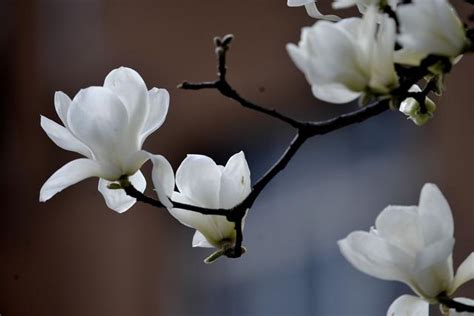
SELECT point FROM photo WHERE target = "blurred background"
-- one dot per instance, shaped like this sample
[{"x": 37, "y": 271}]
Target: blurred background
[{"x": 74, "y": 256}]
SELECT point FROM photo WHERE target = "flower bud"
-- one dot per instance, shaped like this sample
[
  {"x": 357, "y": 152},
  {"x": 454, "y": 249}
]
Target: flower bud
[{"x": 412, "y": 108}]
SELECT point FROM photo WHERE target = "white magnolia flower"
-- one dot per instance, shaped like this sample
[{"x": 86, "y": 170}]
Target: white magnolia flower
[
  {"x": 312, "y": 9},
  {"x": 343, "y": 60},
  {"x": 108, "y": 126},
  {"x": 429, "y": 27},
  {"x": 411, "y": 108},
  {"x": 362, "y": 5},
  {"x": 203, "y": 183},
  {"x": 413, "y": 245}
]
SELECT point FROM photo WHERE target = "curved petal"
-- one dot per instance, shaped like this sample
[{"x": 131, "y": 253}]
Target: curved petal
[
  {"x": 400, "y": 225},
  {"x": 372, "y": 255},
  {"x": 338, "y": 60},
  {"x": 298, "y": 3},
  {"x": 434, "y": 253},
  {"x": 127, "y": 84},
  {"x": 464, "y": 273},
  {"x": 431, "y": 27},
  {"x": 135, "y": 161},
  {"x": 198, "y": 177},
  {"x": 158, "y": 100},
  {"x": 117, "y": 199},
  {"x": 383, "y": 76},
  {"x": 435, "y": 214},
  {"x": 313, "y": 12},
  {"x": 235, "y": 181},
  {"x": 187, "y": 218},
  {"x": 71, "y": 173},
  {"x": 408, "y": 305},
  {"x": 214, "y": 228},
  {"x": 163, "y": 179},
  {"x": 342, "y": 4},
  {"x": 63, "y": 137},
  {"x": 334, "y": 93},
  {"x": 98, "y": 118},
  {"x": 199, "y": 240},
  {"x": 62, "y": 103},
  {"x": 433, "y": 270},
  {"x": 298, "y": 57}
]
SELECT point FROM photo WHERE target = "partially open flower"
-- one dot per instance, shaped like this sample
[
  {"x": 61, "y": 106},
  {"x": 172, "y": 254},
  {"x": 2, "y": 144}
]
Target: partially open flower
[
  {"x": 429, "y": 27},
  {"x": 201, "y": 182},
  {"x": 413, "y": 245},
  {"x": 349, "y": 58},
  {"x": 108, "y": 126},
  {"x": 412, "y": 108}
]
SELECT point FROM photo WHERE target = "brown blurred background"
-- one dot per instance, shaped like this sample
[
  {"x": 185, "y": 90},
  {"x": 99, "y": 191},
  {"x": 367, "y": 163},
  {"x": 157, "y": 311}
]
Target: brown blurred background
[{"x": 74, "y": 256}]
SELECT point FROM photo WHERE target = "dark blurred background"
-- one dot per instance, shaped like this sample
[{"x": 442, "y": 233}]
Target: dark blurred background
[{"x": 74, "y": 256}]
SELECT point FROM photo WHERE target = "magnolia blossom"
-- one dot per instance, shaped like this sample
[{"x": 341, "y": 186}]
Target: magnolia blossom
[
  {"x": 413, "y": 245},
  {"x": 108, "y": 126},
  {"x": 203, "y": 183},
  {"x": 412, "y": 108},
  {"x": 429, "y": 27},
  {"x": 362, "y": 5},
  {"x": 346, "y": 59},
  {"x": 312, "y": 9}
]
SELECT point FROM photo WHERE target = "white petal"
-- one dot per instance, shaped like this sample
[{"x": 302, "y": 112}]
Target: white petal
[
  {"x": 436, "y": 217},
  {"x": 298, "y": 3},
  {"x": 372, "y": 255},
  {"x": 185, "y": 217},
  {"x": 338, "y": 60},
  {"x": 431, "y": 27},
  {"x": 163, "y": 179},
  {"x": 200, "y": 241},
  {"x": 408, "y": 57},
  {"x": 63, "y": 137},
  {"x": 235, "y": 181},
  {"x": 298, "y": 57},
  {"x": 341, "y": 4},
  {"x": 158, "y": 101},
  {"x": 134, "y": 161},
  {"x": 214, "y": 228},
  {"x": 433, "y": 270},
  {"x": 464, "y": 273},
  {"x": 198, "y": 177},
  {"x": 334, "y": 93},
  {"x": 313, "y": 12},
  {"x": 408, "y": 305},
  {"x": 127, "y": 84},
  {"x": 71, "y": 173},
  {"x": 118, "y": 200},
  {"x": 62, "y": 103},
  {"x": 400, "y": 225},
  {"x": 434, "y": 253},
  {"x": 99, "y": 119},
  {"x": 383, "y": 75}
]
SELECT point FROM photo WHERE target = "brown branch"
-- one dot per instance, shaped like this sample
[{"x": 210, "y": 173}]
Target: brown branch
[{"x": 305, "y": 130}]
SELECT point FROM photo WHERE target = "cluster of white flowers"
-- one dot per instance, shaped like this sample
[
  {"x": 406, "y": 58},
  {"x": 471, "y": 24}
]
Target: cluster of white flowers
[
  {"x": 356, "y": 57},
  {"x": 343, "y": 59},
  {"x": 109, "y": 124}
]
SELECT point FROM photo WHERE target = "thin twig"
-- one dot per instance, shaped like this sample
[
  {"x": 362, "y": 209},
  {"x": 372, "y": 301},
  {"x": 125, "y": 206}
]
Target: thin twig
[{"x": 305, "y": 130}]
